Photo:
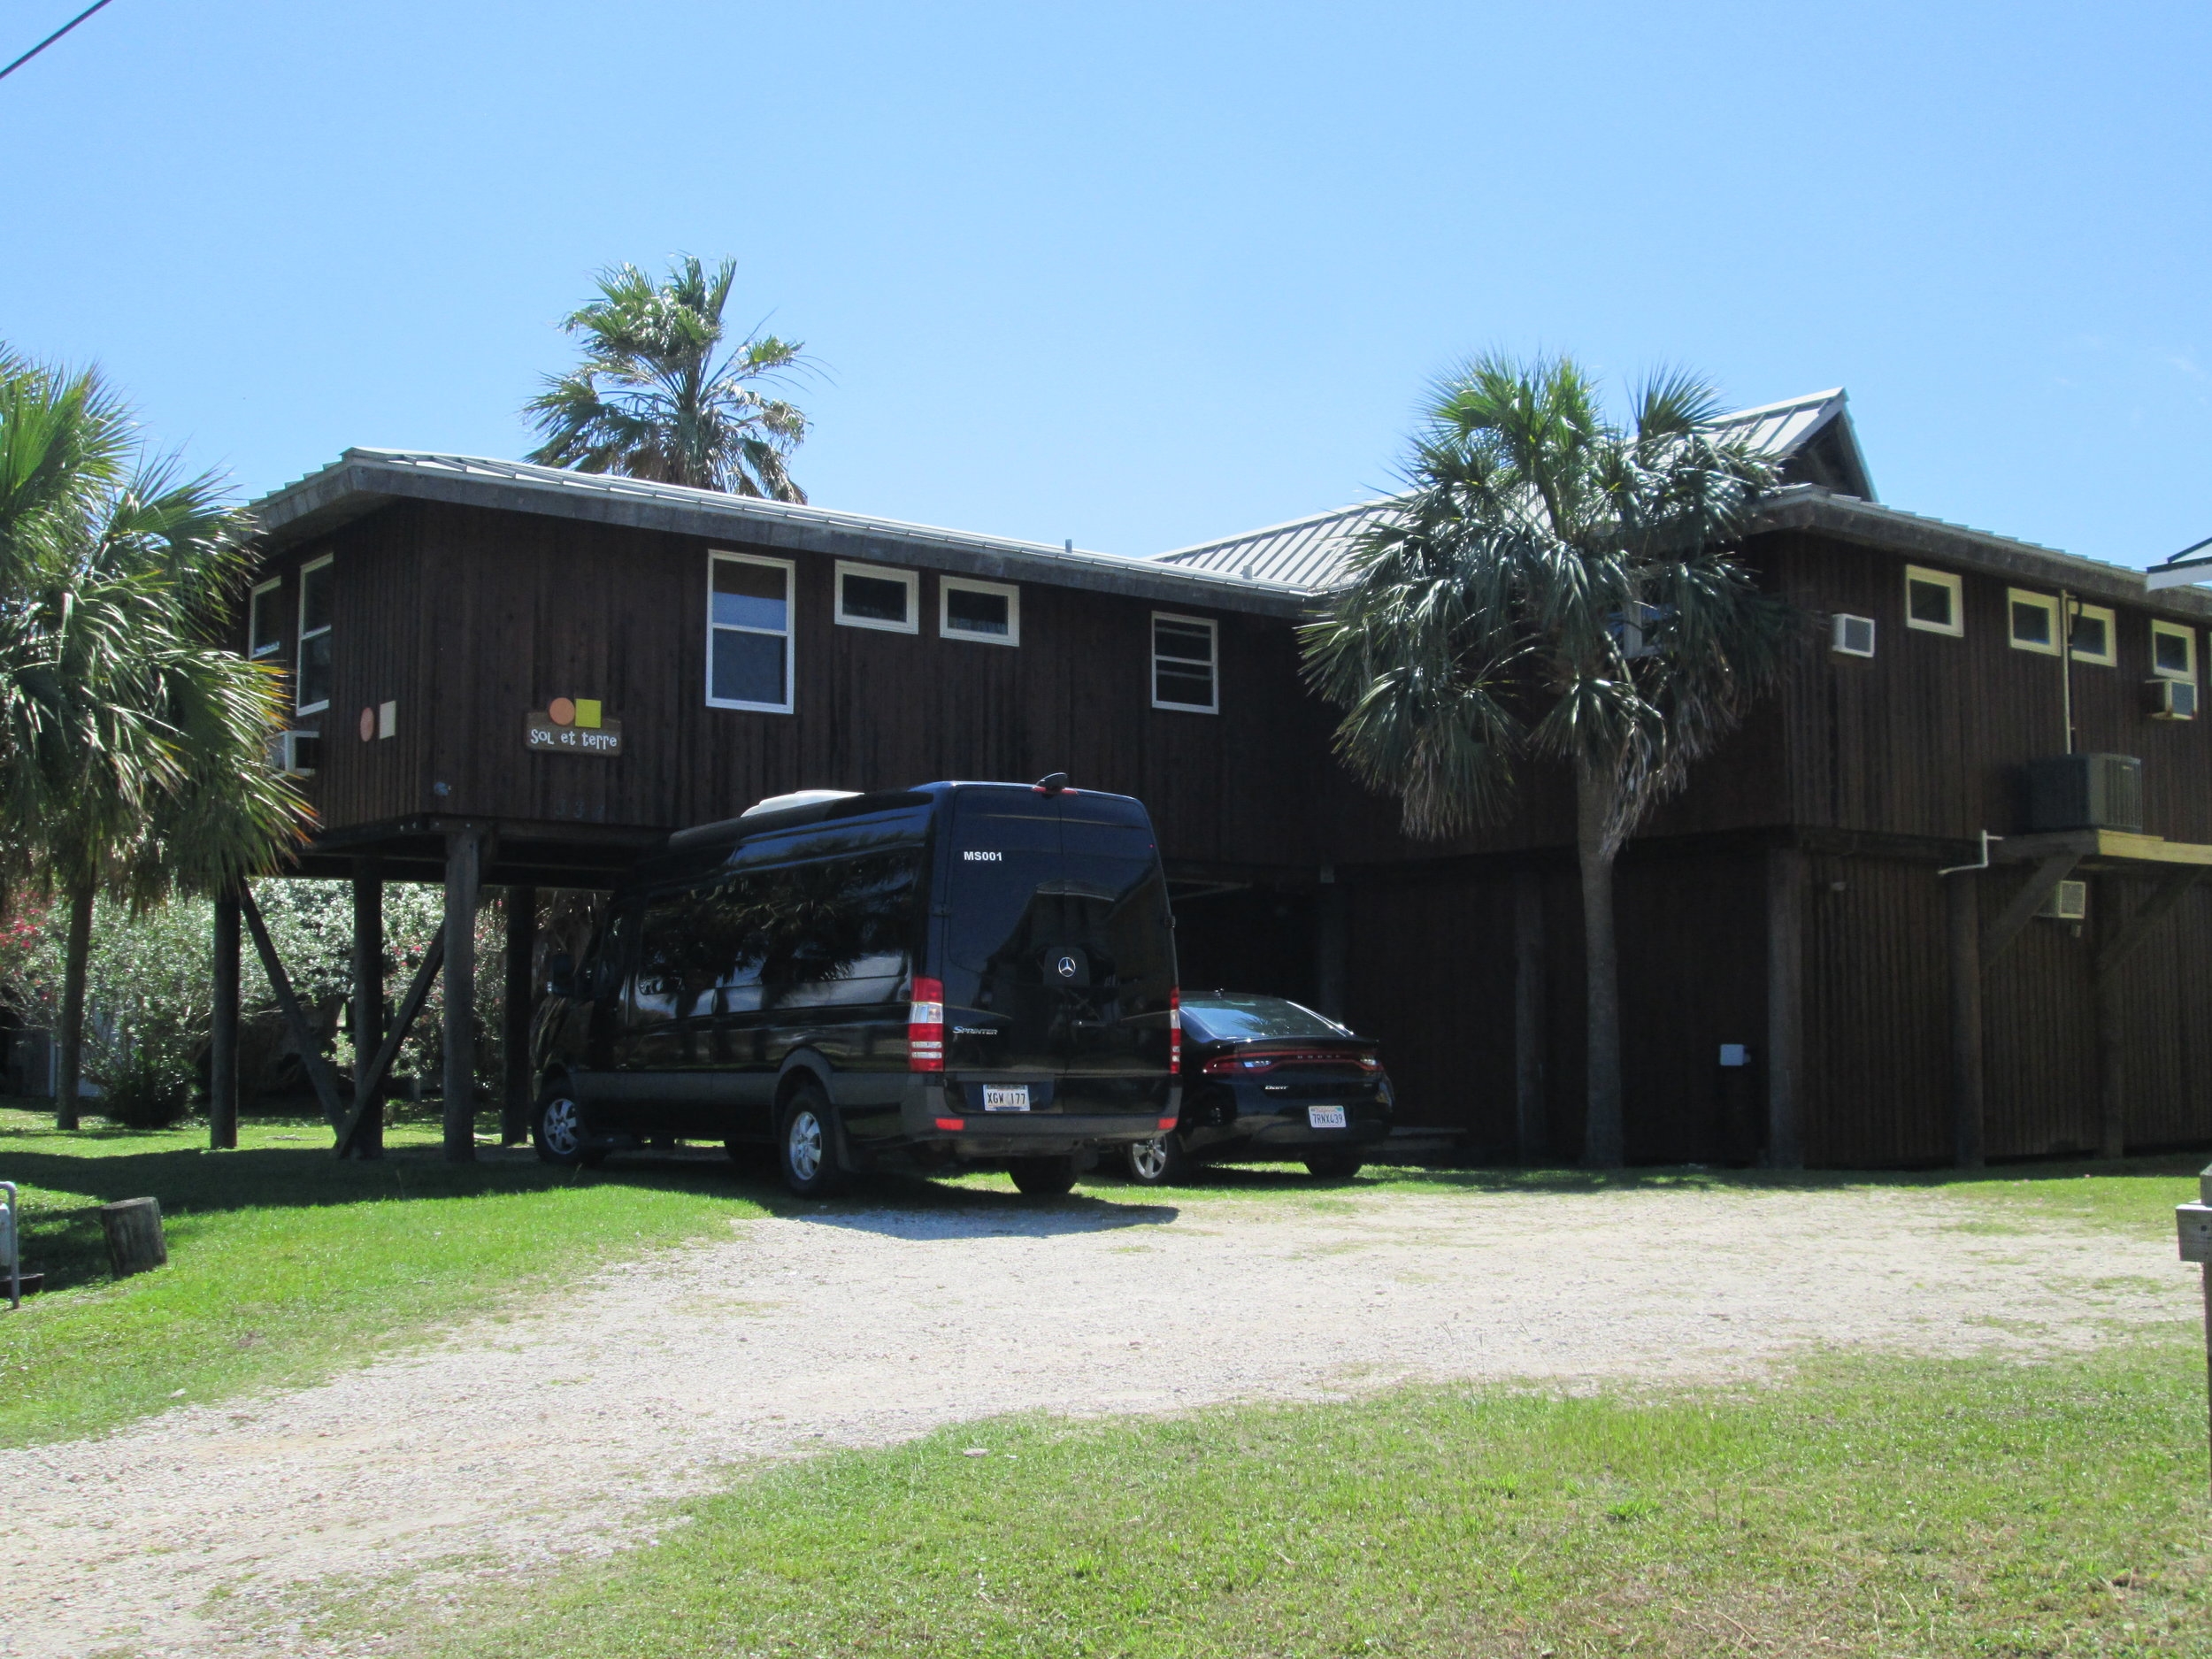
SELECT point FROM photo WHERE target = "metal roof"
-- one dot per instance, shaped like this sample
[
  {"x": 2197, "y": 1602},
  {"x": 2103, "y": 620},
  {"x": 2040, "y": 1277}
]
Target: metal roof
[
  {"x": 1311, "y": 552},
  {"x": 363, "y": 480}
]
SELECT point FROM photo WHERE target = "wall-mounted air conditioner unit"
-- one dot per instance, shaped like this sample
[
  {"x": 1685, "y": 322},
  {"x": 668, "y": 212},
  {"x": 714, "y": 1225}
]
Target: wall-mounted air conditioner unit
[
  {"x": 1853, "y": 636},
  {"x": 2068, "y": 902},
  {"x": 2067, "y": 792},
  {"x": 296, "y": 754},
  {"x": 2170, "y": 699}
]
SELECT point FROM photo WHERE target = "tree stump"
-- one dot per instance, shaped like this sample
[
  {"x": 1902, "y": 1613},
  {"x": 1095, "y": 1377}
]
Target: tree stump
[{"x": 133, "y": 1230}]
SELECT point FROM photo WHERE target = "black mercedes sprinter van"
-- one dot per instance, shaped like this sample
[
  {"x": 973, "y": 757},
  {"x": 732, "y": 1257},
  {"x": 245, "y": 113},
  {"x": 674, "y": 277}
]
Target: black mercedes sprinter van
[{"x": 960, "y": 973}]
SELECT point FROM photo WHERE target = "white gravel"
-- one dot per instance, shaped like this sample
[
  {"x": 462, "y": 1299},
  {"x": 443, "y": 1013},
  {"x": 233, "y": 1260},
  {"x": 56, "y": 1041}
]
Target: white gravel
[{"x": 562, "y": 1428}]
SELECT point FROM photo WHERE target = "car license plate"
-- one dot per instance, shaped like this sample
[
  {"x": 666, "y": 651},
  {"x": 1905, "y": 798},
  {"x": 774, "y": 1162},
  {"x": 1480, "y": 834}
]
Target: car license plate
[
  {"x": 1006, "y": 1100},
  {"x": 1325, "y": 1118}
]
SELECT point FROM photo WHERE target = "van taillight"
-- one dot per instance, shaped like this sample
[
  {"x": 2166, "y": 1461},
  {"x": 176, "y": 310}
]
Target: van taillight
[
  {"x": 1175, "y": 1028},
  {"x": 925, "y": 1027}
]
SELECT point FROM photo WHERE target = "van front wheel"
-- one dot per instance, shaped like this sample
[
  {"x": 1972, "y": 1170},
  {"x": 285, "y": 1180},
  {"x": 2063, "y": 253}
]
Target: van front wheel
[
  {"x": 560, "y": 1134},
  {"x": 806, "y": 1147},
  {"x": 1043, "y": 1178}
]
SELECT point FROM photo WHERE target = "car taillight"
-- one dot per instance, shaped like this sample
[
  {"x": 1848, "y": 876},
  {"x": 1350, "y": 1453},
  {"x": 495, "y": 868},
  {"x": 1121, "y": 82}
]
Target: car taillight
[
  {"x": 1234, "y": 1065},
  {"x": 1175, "y": 1028},
  {"x": 925, "y": 1027}
]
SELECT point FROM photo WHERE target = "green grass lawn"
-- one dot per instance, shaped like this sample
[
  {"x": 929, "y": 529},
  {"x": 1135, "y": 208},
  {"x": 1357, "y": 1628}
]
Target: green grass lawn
[
  {"x": 1868, "y": 1506},
  {"x": 285, "y": 1264}
]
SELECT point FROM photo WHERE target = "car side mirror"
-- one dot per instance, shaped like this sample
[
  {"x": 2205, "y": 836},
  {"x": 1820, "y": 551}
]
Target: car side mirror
[{"x": 560, "y": 976}]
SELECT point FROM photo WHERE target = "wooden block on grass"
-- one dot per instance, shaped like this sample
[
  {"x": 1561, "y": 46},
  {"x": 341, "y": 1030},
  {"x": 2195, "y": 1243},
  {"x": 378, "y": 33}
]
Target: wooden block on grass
[{"x": 133, "y": 1226}]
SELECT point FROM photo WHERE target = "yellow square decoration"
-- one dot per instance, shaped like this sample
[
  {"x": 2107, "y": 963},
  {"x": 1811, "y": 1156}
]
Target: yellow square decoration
[{"x": 588, "y": 714}]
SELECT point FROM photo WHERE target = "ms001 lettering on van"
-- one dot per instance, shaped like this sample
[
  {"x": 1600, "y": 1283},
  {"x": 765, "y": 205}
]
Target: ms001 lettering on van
[{"x": 984, "y": 859}]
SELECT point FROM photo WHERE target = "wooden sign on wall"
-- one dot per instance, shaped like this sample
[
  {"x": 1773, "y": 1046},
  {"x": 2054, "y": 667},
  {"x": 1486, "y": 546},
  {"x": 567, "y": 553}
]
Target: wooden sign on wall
[{"x": 572, "y": 725}]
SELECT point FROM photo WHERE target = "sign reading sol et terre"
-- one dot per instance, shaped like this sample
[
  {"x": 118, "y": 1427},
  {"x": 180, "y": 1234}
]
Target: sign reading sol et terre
[{"x": 572, "y": 725}]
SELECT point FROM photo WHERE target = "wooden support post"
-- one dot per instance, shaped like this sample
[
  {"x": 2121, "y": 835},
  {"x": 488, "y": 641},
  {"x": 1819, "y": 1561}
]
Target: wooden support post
[
  {"x": 2105, "y": 983},
  {"x": 222, "y": 1042},
  {"x": 522, "y": 948},
  {"x": 317, "y": 1069},
  {"x": 1530, "y": 1103},
  {"x": 366, "y": 1140},
  {"x": 1332, "y": 946},
  {"x": 463, "y": 869},
  {"x": 368, "y": 1085},
  {"x": 1963, "y": 901},
  {"x": 1786, "y": 1009},
  {"x": 135, "y": 1243}
]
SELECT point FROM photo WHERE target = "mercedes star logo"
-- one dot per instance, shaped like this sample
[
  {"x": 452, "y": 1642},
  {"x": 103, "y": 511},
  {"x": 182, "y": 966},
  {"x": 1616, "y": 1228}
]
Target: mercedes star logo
[{"x": 1066, "y": 965}]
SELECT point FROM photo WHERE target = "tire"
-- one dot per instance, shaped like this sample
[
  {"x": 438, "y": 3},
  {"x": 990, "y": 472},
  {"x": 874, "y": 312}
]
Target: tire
[
  {"x": 806, "y": 1144},
  {"x": 1159, "y": 1161},
  {"x": 1333, "y": 1166},
  {"x": 558, "y": 1128},
  {"x": 1043, "y": 1178}
]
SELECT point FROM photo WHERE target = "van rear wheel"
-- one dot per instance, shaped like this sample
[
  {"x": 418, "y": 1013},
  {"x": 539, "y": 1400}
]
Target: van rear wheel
[
  {"x": 1043, "y": 1178},
  {"x": 806, "y": 1144}
]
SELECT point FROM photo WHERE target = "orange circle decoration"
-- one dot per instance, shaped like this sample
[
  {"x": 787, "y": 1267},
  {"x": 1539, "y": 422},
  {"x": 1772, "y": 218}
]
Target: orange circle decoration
[
  {"x": 561, "y": 711},
  {"x": 368, "y": 724}
]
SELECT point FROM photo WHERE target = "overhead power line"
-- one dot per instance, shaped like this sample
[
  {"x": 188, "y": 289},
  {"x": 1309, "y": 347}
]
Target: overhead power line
[{"x": 50, "y": 39}]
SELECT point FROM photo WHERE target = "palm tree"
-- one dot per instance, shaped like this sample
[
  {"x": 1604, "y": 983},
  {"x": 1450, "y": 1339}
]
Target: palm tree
[
  {"x": 132, "y": 743},
  {"x": 1555, "y": 586},
  {"x": 652, "y": 400}
]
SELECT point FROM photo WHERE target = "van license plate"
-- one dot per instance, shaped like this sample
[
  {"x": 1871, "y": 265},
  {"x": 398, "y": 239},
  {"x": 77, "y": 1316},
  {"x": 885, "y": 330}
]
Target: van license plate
[
  {"x": 1325, "y": 1118},
  {"x": 1011, "y": 1099}
]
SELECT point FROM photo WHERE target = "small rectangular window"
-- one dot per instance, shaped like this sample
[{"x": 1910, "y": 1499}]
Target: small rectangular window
[
  {"x": 878, "y": 597},
  {"x": 1932, "y": 602},
  {"x": 264, "y": 619},
  {"x": 2092, "y": 637},
  {"x": 2173, "y": 651},
  {"x": 988, "y": 612},
  {"x": 313, "y": 671},
  {"x": 1852, "y": 636},
  {"x": 2034, "y": 621},
  {"x": 1183, "y": 658},
  {"x": 749, "y": 633}
]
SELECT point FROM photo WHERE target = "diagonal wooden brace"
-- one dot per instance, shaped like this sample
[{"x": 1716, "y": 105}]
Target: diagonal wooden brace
[
  {"x": 2154, "y": 910},
  {"x": 319, "y": 1072},
  {"x": 367, "y": 1081},
  {"x": 2026, "y": 903}
]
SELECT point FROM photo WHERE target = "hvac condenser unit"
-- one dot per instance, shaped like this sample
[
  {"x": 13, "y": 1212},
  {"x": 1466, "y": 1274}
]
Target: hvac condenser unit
[
  {"x": 2069, "y": 791},
  {"x": 1854, "y": 635},
  {"x": 2170, "y": 699},
  {"x": 296, "y": 754},
  {"x": 2068, "y": 902}
]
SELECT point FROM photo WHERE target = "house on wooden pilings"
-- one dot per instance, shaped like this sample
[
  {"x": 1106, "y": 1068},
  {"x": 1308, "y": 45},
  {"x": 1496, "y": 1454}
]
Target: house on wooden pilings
[{"x": 1799, "y": 982}]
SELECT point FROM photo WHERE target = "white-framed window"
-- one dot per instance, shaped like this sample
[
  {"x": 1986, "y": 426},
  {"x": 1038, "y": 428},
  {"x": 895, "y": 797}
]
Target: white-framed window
[
  {"x": 2173, "y": 651},
  {"x": 878, "y": 597},
  {"x": 264, "y": 618},
  {"x": 749, "y": 633},
  {"x": 990, "y": 612},
  {"x": 1851, "y": 636},
  {"x": 2094, "y": 635},
  {"x": 1186, "y": 656},
  {"x": 1934, "y": 602},
  {"x": 2031, "y": 621},
  {"x": 312, "y": 675}
]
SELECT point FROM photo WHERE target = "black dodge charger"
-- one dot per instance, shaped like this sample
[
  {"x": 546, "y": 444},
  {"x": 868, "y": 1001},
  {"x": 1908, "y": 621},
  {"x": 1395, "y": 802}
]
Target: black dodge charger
[{"x": 1264, "y": 1079}]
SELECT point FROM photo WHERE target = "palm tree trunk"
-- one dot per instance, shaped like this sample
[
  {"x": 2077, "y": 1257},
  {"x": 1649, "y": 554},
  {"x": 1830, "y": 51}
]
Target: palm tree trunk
[
  {"x": 77, "y": 949},
  {"x": 1602, "y": 1138}
]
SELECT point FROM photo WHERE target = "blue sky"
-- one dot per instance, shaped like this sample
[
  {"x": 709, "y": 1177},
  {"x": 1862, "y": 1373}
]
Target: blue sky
[{"x": 1143, "y": 275}]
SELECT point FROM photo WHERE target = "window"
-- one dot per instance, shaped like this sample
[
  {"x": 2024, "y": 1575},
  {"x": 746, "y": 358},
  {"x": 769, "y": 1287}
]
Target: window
[
  {"x": 749, "y": 633},
  {"x": 1933, "y": 602},
  {"x": 1183, "y": 663},
  {"x": 2093, "y": 637},
  {"x": 264, "y": 619},
  {"x": 2173, "y": 651},
  {"x": 2034, "y": 621},
  {"x": 1852, "y": 636},
  {"x": 314, "y": 663},
  {"x": 877, "y": 597},
  {"x": 988, "y": 612}
]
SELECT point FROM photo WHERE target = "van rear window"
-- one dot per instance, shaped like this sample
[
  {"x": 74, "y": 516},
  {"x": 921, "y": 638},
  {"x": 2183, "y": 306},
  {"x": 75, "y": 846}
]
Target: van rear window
[{"x": 1024, "y": 884}]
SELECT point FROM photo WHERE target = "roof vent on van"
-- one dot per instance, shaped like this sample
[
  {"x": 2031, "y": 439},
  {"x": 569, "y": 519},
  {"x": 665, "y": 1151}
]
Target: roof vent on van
[
  {"x": 1051, "y": 783},
  {"x": 797, "y": 797}
]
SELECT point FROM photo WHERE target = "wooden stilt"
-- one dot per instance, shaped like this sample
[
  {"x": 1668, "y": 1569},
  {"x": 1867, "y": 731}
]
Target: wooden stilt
[
  {"x": 366, "y": 1140},
  {"x": 1962, "y": 902},
  {"x": 463, "y": 869},
  {"x": 1332, "y": 946},
  {"x": 222, "y": 1046},
  {"x": 368, "y": 1085},
  {"x": 1531, "y": 1105},
  {"x": 1785, "y": 1008},
  {"x": 518, "y": 1097}
]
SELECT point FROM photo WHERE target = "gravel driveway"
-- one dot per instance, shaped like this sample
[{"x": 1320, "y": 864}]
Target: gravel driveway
[{"x": 560, "y": 1428}]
